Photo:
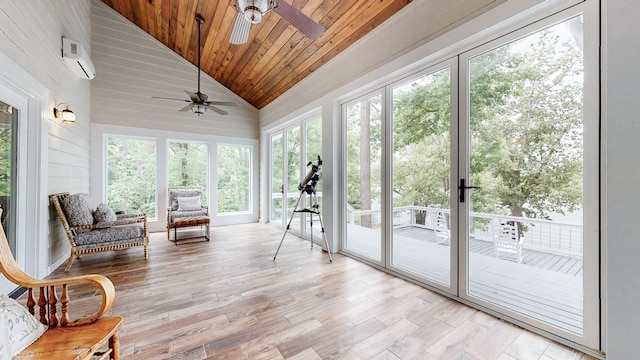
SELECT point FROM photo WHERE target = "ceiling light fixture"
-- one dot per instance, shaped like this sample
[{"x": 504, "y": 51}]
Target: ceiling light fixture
[
  {"x": 198, "y": 109},
  {"x": 66, "y": 115},
  {"x": 254, "y": 9}
]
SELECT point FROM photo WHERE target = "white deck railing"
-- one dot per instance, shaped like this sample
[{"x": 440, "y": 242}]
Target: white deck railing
[{"x": 542, "y": 235}]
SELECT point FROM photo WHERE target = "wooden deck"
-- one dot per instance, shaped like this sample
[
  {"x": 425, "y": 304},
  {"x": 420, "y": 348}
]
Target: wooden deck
[
  {"x": 553, "y": 262},
  {"x": 546, "y": 287}
]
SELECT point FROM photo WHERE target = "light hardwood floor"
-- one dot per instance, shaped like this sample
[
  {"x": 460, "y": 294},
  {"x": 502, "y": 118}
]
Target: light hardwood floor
[{"x": 228, "y": 299}]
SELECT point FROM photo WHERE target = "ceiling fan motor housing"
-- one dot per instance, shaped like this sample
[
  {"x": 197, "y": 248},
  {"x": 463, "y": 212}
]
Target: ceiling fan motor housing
[{"x": 254, "y": 9}]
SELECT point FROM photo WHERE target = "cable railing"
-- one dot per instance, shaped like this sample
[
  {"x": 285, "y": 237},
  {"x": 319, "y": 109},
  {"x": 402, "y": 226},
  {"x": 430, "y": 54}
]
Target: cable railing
[{"x": 554, "y": 237}]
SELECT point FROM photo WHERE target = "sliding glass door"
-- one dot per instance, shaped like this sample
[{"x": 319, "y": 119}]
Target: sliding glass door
[
  {"x": 421, "y": 175},
  {"x": 526, "y": 134},
  {"x": 481, "y": 176},
  {"x": 363, "y": 144}
]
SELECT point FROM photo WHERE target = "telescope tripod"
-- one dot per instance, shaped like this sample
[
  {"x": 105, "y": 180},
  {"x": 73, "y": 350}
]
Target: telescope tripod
[{"x": 315, "y": 209}]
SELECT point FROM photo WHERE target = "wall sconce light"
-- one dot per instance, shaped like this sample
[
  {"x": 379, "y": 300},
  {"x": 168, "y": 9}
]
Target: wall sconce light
[{"x": 66, "y": 115}]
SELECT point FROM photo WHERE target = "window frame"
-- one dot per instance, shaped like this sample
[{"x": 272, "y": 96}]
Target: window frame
[
  {"x": 98, "y": 170},
  {"x": 282, "y": 129},
  {"x": 207, "y": 189},
  {"x": 106, "y": 138},
  {"x": 251, "y": 176}
]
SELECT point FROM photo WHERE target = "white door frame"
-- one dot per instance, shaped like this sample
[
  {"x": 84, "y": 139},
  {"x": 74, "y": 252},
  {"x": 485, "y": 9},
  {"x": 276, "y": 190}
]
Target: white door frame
[
  {"x": 19, "y": 87},
  {"x": 591, "y": 246}
]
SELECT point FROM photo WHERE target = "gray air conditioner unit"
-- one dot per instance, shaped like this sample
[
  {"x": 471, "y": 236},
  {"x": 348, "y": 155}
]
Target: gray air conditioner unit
[{"x": 77, "y": 59}]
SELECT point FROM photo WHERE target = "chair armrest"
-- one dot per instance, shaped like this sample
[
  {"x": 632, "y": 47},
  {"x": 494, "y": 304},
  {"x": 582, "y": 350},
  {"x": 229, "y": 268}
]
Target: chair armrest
[
  {"x": 48, "y": 298},
  {"x": 100, "y": 282},
  {"x": 48, "y": 295},
  {"x": 130, "y": 216}
]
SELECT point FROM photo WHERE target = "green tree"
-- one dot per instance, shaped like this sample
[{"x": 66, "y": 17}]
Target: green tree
[
  {"x": 532, "y": 145},
  {"x": 131, "y": 175},
  {"x": 234, "y": 170},
  {"x": 188, "y": 165},
  {"x": 277, "y": 183},
  {"x": 421, "y": 141},
  {"x": 526, "y": 131},
  {"x": 364, "y": 145}
]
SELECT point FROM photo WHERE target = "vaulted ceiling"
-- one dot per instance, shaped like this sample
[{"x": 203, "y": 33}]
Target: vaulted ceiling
[{"x": 276, "y": 55}]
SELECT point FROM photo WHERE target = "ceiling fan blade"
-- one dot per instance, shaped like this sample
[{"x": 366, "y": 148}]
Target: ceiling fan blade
[
  {"x": 240, "y": 32},
  {"x": 218, "y": 110},
  {"x": 194, "y": 97},
  {"x": 186, "y": 108},
  {"x": 222, "y": 103},
  {"x": 300, "y": 21},
  {"x": 165, "y": 98}
]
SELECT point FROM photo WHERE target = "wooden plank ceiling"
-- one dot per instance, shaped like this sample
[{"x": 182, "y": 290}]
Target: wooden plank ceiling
[{"x": 276, "y": 56}]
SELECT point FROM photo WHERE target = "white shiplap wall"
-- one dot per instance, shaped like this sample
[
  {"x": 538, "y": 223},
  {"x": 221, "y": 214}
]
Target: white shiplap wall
[
  {"x": 132, "y": 67},
  {"x": 30, "y": 35}
]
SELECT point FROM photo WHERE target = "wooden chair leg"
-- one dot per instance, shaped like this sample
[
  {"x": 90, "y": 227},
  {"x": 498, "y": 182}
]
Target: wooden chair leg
[
  {"x": 70, "y": 261},
  {"x": 114, "y": 344}
]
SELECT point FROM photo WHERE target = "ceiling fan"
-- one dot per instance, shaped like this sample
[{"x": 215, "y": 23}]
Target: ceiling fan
[
  {"x": 251, "y": 12},
  {"x": 198, "y": 101}
]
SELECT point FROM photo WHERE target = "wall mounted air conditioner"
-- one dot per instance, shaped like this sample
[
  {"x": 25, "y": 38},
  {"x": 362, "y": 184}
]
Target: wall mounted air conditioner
[{"x": 77, "y": 59}]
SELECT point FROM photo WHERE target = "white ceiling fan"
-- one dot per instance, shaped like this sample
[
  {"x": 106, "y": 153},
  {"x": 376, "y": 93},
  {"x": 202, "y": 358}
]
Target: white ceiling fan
[
  {"x": 251, "y": 12},
  {"x": 198, "y": 101}
]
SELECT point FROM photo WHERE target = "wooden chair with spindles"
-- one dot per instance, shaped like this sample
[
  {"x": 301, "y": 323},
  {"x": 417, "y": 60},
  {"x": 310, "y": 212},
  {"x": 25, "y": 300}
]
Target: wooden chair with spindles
[{"x": 88, "y": 337}]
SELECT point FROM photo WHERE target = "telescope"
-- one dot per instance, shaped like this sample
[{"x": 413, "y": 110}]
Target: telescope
[
  {"x": 308, "y": 185},
  {"x": 311, "y": 180}
]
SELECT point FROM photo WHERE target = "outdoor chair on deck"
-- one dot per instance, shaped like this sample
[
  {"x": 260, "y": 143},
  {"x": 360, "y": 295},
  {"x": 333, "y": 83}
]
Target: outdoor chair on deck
[
  {"x": 100, "y": 230},
  {"x": 506, "y": 241},
  {"x": 441, "y": 228},
  {"x": 186, "y": 210}
]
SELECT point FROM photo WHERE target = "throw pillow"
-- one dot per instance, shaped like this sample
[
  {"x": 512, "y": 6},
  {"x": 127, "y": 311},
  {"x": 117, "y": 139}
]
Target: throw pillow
[
  {"x": 174, "y": 194},
  {"x": 76, "y": 208},
  {"x": 18, "y": 328},
  {"x": 104, "y": 213},
  {"x": 189, "y": 203}
]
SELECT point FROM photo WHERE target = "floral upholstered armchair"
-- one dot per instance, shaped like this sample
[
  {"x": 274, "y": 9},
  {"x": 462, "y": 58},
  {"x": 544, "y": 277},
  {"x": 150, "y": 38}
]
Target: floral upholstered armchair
[
  {"x": 97, "y": 230},
  {"x": 186, "y": 209}
]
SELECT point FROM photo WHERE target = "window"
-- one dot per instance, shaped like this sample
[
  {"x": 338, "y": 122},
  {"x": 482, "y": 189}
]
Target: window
[
  {"x": 131, "y": 175},
  {"x": 234, "y": 179},
  {"x": 189, "y": 165},
  {"x": 291, "y": 149},
  {"x": 277, "y": 185},
  {"x": 313, "y": 151}
]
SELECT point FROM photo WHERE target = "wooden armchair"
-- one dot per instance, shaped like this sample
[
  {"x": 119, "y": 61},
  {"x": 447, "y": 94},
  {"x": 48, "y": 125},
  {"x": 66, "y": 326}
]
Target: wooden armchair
[
  {"x": 87, "y": 235},
  {"x": 82, "y": 338}
]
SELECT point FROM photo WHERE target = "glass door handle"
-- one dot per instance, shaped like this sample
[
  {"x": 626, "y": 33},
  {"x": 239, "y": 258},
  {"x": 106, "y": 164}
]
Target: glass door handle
[{"x": 462, "y": 189}]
